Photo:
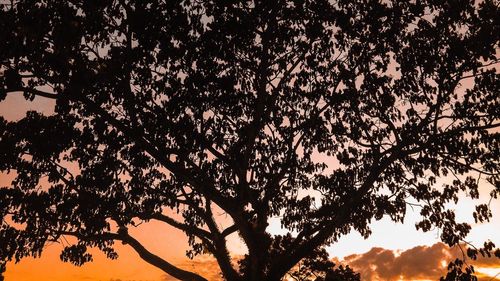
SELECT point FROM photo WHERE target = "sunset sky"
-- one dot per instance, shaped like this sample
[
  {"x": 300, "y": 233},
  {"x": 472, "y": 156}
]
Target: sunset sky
[
  {"x": 393, "y": 252},
  {"x": 231, "y": 120}
]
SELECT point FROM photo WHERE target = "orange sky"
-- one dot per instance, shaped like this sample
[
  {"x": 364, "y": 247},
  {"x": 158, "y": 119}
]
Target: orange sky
[
  {"x": 389, "y": 251},
  {"x": 417, "y": 263}
]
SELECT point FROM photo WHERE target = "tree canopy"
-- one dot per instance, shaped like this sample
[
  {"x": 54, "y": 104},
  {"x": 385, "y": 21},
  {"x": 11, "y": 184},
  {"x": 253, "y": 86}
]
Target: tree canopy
[{"x": 326, "y": 114}]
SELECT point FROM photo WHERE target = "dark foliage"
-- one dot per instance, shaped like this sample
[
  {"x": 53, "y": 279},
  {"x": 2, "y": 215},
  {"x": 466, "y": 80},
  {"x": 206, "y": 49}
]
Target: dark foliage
[
  {"x": 327, "y": 114},
  {"x": 2, "y": 270}
]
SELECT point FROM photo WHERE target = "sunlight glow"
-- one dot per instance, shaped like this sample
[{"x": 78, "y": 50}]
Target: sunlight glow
[{"x": 489, "y": 271}]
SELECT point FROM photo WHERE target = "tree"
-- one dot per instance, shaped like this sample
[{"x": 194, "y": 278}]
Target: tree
[{"x": 327, "y": 114}]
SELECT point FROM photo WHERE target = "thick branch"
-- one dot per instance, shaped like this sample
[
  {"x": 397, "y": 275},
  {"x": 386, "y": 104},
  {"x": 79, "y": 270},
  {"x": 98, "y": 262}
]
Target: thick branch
[
  {"x": 143, "y": 253},
  {"x": 35, "y": 92},
  {"x": 159, "y": 262}
]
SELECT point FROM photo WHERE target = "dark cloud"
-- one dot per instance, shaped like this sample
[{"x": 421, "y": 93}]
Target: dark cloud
[
  {"x": 418, "y": 263},
  {"x": 118, "y": 279},
  {"x": 204, "y": 266}
]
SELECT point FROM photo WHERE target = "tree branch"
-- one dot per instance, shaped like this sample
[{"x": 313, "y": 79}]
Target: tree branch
[
  {"x": 35, "y": 92},
  {"x": 143, "y": 253}
]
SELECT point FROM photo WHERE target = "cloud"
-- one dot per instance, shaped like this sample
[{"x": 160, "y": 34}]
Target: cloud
[
  {"x": 418, "y": 263},
  {"x": 118, "y": 279},
  {"x": 205, "y": 266}
]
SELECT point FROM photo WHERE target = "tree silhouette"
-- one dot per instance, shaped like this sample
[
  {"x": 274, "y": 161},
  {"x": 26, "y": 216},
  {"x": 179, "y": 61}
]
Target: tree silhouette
[
  {"x": 326, "y": 114},
  {"x": 2, "y": 270}
]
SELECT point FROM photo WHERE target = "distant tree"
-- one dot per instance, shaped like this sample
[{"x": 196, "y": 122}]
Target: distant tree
[
  {"x": 325, "y": 114},
  {"x": 318, "y": 267},
  {"x": 340, "y": 274}
]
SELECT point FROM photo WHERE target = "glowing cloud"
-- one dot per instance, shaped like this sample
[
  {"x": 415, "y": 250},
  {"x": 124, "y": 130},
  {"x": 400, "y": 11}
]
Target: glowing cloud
[{"x": 418, "y": 263}]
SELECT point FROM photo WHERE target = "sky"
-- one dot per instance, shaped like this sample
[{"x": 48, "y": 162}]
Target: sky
[{"x": 393, "y": 252}]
